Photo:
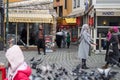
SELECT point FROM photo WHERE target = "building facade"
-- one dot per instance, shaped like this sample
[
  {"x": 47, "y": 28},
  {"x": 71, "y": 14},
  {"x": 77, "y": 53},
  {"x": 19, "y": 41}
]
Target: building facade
[
  {"x": 26, "y": 18},
  {"x": 77, "y": 12},
  {"x": 101, "y": 15},
  {"x": 69, "y": 16}
]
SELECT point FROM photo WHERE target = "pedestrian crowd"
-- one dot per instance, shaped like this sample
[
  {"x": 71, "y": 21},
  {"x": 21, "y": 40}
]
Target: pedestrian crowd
[{"x": 63, "y": 38}]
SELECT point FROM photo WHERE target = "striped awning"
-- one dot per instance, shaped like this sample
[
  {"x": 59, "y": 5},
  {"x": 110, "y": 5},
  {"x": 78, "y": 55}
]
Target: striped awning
[{"x": 30, "y": 18}]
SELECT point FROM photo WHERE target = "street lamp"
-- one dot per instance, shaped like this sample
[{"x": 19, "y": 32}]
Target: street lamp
[{"x": 7, "y": 22}]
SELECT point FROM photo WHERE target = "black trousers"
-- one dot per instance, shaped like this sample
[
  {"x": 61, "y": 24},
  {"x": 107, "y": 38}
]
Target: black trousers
[{"x": 41, "y": 44}]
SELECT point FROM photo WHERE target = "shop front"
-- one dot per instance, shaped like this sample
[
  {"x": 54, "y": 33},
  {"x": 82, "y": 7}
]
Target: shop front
[
  {"x": 70, "y": 24},
  {"x": 105, "y": 18},
  {"x": 23, "y": 25}
]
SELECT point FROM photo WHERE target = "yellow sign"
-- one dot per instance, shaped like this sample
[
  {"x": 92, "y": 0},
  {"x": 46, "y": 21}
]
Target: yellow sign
[{"x": 70, "y": 20}]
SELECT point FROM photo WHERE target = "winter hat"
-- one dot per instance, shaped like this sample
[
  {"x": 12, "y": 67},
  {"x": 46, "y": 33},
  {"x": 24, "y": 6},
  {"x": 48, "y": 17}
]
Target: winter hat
[
  {"x": 14, "y": 56},
  {"x": 115, "y": 28}
]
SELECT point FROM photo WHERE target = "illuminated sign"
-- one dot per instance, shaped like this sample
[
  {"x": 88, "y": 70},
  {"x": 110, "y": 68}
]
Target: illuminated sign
[{"x": 70, "y": 20}]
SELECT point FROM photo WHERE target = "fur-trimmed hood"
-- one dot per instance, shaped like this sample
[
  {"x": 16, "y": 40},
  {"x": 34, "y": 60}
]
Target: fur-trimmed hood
[{"x": 15, "y": 56}]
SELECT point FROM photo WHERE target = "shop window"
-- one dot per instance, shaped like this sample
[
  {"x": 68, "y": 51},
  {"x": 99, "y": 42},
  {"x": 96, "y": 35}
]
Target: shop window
[
  {"x": 60, "y": 11},
  {"x": 74, "y": 34},
  {"x": 65, "y": 4},
  {"x": 57, "y": 0},
  {"x": 11, "y": 31},
  {"x": 102, "y": 32},
  {"x": 22, "y": 33},
  {"x": 101, "y": 46},
  {"x": 55, "y": 8},
  {"x": 108, "y": 21},
  {"x": 33, "y": 28}
]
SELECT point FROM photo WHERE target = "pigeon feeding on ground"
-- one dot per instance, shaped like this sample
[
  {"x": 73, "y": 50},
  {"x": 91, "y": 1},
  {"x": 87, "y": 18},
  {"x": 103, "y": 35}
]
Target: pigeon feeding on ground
[
  {"x": 34, "y": 63},
  {"x": 104, "y": 72},
  {"x": 32, "y": 59}
]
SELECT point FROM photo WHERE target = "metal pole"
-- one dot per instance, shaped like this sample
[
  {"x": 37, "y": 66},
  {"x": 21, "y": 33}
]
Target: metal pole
[
  {"x": 44, "y": 38},
  {"x": 99, "y": 42},
  {"x": 7, "y": 22}
]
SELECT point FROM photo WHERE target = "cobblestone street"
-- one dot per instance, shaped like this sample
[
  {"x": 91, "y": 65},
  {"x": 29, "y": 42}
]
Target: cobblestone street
[{"x": 66, "y": 58}]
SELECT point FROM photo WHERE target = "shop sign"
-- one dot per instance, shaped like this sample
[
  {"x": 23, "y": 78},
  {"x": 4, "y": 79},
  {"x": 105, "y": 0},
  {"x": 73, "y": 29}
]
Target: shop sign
[
  {"x": 70, "y": 20},
  {"x": 108, "y": 13},
  {"x": 91, "y": 21}
]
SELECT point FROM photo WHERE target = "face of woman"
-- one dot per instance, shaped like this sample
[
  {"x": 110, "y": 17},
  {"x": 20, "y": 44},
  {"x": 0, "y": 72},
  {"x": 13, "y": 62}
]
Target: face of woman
[{"x": 88, "y": 29}]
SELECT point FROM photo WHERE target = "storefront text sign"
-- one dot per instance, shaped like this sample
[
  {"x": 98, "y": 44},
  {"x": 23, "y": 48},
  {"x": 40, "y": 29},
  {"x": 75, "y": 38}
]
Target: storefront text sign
[{"x": 108, "y": 13}]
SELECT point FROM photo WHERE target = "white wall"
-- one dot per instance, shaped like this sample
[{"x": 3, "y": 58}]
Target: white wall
[
  {"x": 82, "y": 6},
  {"x": 106, "y": 3}
]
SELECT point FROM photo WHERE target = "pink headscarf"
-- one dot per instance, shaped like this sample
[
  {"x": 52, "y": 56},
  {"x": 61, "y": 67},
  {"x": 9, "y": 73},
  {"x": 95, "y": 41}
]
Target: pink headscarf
[{"x": 115, "y": 28}]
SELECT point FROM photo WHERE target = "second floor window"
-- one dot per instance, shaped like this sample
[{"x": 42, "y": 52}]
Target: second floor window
[
  {"x": 57, "y": 0},
  {"x": 65, "y": 4},
  {"x": 78, "y": 5},
  {"x": 74, "y": 4}
]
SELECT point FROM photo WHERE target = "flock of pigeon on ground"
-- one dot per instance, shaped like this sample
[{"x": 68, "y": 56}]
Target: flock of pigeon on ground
[{"x": 52, "y": 72}]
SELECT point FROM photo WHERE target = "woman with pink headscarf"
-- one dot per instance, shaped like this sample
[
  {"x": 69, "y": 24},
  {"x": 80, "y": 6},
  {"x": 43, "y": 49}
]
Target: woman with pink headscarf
[{"x": 113, "y": 53}]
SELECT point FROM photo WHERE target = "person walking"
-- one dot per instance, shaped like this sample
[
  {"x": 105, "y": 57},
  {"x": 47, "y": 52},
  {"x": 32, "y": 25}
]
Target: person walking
[
  {"x": 68, "y": 40},
  {"x": 59, "y": 36},
  {"x": 85, "y": 44},
  {"x": 108, "y": 42},
  {"x": 41, "y": 40},
  {"x": 113, "y": 53},
  {"x": 18, "y": 69}
]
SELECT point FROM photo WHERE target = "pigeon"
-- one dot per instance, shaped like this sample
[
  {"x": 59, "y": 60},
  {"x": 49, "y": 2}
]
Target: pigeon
[
  {"x": 39, "y": 59},
  {"x": 77, "y": 78},
  {"x": 32, "y": 59},
  {"x": 53, "y": 66},
  {"x": 104, "y": 72},
  {"x": 112, "y": 74}
]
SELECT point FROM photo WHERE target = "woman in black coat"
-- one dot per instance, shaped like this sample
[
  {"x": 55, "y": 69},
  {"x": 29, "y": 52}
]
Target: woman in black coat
[{"x": 113, "y": 53}]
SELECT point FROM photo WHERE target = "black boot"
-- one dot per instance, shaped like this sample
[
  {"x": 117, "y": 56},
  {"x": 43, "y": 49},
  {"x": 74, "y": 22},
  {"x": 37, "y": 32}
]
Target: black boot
[
  {"x": 38, "y": 51},
  {"x": 84, "y": 64}
]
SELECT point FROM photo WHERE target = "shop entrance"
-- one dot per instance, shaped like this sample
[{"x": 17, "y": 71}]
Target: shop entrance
[
  {"x": 26, "y": 33},
  {"x": 23, "y": 32}
]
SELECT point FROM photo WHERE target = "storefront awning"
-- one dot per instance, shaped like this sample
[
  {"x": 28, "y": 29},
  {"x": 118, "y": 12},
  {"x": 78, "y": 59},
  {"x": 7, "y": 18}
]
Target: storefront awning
[
  {"x": 77, "y": 13},
  {"x": 70, "y": 20},
  {"x": 30, "y": 18}
]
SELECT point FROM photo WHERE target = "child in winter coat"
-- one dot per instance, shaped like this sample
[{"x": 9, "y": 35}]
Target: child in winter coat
[{"x": 18, "y": 68}]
